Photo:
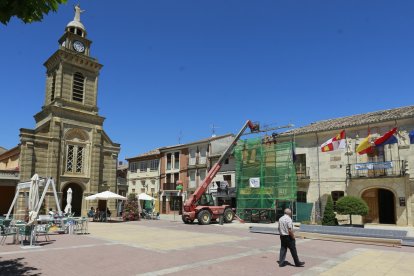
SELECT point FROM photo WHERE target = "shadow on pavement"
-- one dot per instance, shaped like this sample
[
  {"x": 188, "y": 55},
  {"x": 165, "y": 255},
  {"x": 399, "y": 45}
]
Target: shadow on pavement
[{"x": 16, "y": 267}]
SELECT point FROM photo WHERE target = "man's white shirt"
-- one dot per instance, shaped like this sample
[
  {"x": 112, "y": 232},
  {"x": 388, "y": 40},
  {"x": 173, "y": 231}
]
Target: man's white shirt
[{"x": 285, "y": 223}]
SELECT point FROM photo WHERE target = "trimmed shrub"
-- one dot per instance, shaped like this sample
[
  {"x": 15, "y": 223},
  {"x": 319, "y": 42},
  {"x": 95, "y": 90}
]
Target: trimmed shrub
[
  {"x": 329, "y": 217},
  {"x": 351, "y": 205}
]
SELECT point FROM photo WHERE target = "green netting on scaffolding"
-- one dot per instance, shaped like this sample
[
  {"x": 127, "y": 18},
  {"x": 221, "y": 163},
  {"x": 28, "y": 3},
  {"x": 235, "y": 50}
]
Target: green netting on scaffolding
[{"x": 264, "y": 173}]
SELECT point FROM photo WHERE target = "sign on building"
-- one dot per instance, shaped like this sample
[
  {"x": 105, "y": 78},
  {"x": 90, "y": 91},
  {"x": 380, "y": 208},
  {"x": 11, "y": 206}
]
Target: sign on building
[
  {"x": 254, "y": 182},
  {"x": 374, "y": 165}
]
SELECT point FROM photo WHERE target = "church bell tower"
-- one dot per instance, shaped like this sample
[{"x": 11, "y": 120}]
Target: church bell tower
[
  {"x": 72, "y": 74},
  {"x": 69, "y": 143}
]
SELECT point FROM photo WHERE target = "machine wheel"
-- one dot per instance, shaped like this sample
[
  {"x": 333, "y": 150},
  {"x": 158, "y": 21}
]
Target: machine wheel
[
  {"x": 204, "y": 217},
  {"x": 228, "y": 215}
]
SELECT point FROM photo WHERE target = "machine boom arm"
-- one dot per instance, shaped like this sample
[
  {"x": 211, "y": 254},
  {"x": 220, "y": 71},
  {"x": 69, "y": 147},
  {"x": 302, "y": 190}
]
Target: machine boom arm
[{"x": 190, "y": 203}]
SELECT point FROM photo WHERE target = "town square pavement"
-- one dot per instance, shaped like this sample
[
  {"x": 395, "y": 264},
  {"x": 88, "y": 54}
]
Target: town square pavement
[{"x": 170, "y": 247}]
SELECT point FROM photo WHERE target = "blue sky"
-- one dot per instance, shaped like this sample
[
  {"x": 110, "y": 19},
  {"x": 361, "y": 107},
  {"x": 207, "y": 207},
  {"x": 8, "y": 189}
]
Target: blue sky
[{"x": 174, "y": 67}]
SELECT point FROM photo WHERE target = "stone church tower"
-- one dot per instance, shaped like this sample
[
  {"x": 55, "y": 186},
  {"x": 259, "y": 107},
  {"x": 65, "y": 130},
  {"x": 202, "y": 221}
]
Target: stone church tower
[{"x": 68, "y": 142}]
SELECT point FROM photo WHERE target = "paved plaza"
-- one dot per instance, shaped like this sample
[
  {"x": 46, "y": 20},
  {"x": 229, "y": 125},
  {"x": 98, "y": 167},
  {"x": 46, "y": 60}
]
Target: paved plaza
[{"x": 169, "y": 247}]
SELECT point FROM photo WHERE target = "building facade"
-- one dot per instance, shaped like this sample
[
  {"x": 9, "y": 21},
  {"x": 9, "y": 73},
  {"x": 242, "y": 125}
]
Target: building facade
[
  {"x": 144, "y": 175},
  {"x": 68, "y": 142},
  {"x": 121, "y": 179},
  {"x": 184, "y": 167},
  {"x": 173, "y": 178},
  {"x": 9, "y": 177},
  {"x": 223, "y": 187},
  {"x": 383, "y": 178}
]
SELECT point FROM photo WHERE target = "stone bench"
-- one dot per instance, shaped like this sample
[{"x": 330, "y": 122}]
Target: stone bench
[{"x": 354, "y": 231}]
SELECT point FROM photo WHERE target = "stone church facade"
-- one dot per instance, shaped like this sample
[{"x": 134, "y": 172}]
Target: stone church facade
[{"x": 68, "y": 142}]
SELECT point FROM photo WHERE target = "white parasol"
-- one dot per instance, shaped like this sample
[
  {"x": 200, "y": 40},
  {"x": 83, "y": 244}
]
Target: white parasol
[
  {"x": 144, "y": 196},
  {"x": 68, "y": 208},
  {"x": 105, "y": 196},
  {"x": 33, "y": 199}
]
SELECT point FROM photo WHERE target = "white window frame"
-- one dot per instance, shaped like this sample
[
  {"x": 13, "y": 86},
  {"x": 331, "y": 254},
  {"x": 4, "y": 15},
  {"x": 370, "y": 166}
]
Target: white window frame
[
  {"x": 172, "y": 163},
  {"x": 192, "y": 179},
  {"x": 202, "y": 159},
  {"x": 143, "y": 166},
  {"x": 174, "y": 167},
  {"x": 192, "y": 156},
  {"x": 133, "y": 167},
  {"x": 200, "y": 172},
  {"x": 154, "y": 163}
]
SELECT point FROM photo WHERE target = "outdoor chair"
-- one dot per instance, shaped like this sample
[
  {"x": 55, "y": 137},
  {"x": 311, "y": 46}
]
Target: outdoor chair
[
  {"x": 145, "y": 214},
  {"x": 77, "y": 225},
  {"x": 5, "y": 232},
  {"x": 24, "y": 231},
  {"x": 43, "y": 229},
  {"x": 6, "y": 222},
  {"x": 81, "y": 225},
  {"x": 69, "y": 225},
  {"x": 156, "y": 215}
]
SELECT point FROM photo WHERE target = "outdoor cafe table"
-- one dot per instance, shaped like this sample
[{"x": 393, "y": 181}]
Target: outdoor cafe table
[{"x": 72, "y": 225}]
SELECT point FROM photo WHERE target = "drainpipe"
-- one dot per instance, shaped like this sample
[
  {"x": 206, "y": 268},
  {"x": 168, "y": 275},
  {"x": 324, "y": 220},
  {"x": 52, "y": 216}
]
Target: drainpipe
[{"x": 347, "y": 178}]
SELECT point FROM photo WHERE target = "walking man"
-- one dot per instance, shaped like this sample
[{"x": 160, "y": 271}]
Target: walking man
[{"x": 287, "y": 239}]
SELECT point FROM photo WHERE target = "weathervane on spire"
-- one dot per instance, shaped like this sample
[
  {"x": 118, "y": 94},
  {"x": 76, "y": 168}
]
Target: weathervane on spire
[{"x": 78, "y": 11}]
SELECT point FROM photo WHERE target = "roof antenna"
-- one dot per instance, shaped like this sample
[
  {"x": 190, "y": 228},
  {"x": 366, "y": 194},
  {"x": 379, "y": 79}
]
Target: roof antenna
[{"x": 180, "y": 136}]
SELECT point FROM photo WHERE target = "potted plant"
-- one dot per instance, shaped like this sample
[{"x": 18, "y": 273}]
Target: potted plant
[{"x": 351, "y": 205}]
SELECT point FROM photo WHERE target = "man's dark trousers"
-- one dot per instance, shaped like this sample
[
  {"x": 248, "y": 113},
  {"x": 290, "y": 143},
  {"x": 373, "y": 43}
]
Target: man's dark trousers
[{"x": 286, "y": 242}]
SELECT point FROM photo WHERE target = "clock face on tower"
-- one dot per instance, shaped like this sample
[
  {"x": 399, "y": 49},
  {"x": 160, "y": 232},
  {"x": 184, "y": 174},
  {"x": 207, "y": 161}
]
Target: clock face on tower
[{"x": 78, "y": 46}]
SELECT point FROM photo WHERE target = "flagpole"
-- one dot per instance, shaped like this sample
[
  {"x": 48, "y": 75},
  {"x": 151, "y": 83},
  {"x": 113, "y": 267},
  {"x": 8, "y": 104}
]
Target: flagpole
[
  {"x": 355, "y": 147},
  {"x": 319, "y": 177},
  {"x": 347, "y": 165},
  {"x": 398, "y": 148}
]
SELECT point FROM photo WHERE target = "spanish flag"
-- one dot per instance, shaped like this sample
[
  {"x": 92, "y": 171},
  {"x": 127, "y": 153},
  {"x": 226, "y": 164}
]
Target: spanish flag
[
  {"x": 385, "y": 138},
  {"x": 337, "y": 142},
  {"x": 365, "y": 146}
]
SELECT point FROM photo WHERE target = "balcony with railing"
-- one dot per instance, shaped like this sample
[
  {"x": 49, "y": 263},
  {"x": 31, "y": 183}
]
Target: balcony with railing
[
  {"x": 395, "y": 168},
  {"x": 302, "y": 173},
  {"x": 197, "y": 162},
  {"x": 169, "y": 186},
  {"x": 121, "y": 181}
]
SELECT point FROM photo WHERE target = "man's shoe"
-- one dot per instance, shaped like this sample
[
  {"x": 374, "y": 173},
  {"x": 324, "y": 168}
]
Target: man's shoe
[
  {"x": 282, "y": 264},
  {"x": 300, "y": 264}
]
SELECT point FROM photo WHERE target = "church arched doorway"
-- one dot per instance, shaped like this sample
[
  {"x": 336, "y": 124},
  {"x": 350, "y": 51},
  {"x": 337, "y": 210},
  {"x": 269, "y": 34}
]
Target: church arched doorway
[
  {"x": 381, "y": 204},
  {"x": 77, "y": 195}
]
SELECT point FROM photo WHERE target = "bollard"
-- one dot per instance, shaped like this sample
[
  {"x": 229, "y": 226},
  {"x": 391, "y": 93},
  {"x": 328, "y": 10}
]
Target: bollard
[{"x": 221, "y": 219}]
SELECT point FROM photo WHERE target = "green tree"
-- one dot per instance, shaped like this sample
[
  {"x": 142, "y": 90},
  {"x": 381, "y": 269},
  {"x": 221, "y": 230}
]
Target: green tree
[
  {"x": 27, "y": 10},
  {"x": 351, "y": 205},
  {"x": 131, "y": 211},
  {"x": 329, "y": 217}
]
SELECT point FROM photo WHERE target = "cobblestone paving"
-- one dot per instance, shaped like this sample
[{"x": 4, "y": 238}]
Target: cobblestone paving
[
  {"x": 158, "y": 239},
  {"x": 172, "y": 248}
]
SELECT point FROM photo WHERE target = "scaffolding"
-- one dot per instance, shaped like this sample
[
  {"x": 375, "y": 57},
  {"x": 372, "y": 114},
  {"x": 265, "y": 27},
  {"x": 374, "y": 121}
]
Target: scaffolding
[{"x": 265, "y": 175}]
